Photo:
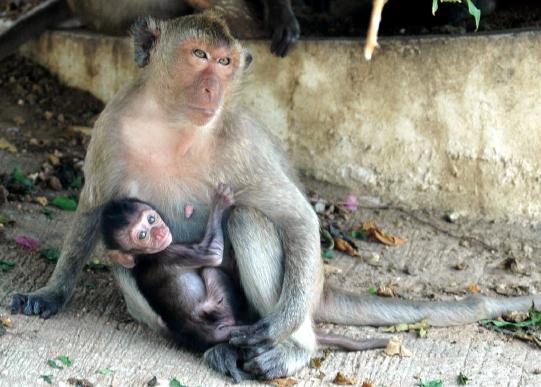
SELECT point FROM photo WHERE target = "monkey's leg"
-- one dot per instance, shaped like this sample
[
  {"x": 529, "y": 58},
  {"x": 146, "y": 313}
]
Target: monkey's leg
[
  {"x": 259, "y": 255},
  {"x": 341, "y": 307},
  {"x": 78, "y": 245}
]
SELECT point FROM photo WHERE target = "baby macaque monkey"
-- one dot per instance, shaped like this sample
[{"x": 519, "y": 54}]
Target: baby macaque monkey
[{"x": 196, "y": 300}]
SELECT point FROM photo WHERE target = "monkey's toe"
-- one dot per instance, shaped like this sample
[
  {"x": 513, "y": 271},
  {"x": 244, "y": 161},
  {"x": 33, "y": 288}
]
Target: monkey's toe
[
  {"x": 34, "y": 305},
  {"x": 269, "y": 365},
  {"x": 223, "y": 358}
]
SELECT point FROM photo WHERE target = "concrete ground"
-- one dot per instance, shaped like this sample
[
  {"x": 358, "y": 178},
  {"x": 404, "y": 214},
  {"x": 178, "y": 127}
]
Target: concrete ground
[{"x": 96, "y": 332}]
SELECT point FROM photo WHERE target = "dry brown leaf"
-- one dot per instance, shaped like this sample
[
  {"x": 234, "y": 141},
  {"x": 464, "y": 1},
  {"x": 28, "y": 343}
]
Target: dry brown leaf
[
  {"x": 284, "y": 382},
  {"x": 395, "y": 348},
  {"x": 460, "y": 266},
  {"x": 344, "y": 246},
  {"x": 387, "y": 291},
  {"x": 516, "y": 317},
  {"x": 6, "y": 321},
  {"x": 373, "y": 231},
  {"x": 368, "y": 383},
  {"x": 82, "y": 129},
  {"x": 54, "y": 160},
  {"x": 315, "y": 362},
  {"x": 343, "y": 380},
  {"x": 42, "y": 200},
  {"x": 6, "y": 145},
  {"x": 474, "y": 288}
]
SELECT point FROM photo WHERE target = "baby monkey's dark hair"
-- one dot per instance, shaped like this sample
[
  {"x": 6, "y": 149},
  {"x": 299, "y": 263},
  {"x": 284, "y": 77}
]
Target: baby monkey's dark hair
[{"x": 117, "y": 215}]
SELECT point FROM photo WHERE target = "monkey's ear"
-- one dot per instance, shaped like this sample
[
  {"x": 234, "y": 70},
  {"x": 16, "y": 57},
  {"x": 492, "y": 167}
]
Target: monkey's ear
[
  {"x": 121, "y": 258},
  {"x": 146, "y": 33},
  {"x": 247, "y": 59}
]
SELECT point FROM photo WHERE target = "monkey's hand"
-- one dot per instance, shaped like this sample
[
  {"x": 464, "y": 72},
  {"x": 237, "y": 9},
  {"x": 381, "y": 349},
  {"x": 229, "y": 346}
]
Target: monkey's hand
[
  {"x": 285, "y": 33},
  {"x": 223, "y": 358},
  {"x": 44, "y": 303},
  {"x": 260, "y": 333},
  {"x": 224, "y": 196}
]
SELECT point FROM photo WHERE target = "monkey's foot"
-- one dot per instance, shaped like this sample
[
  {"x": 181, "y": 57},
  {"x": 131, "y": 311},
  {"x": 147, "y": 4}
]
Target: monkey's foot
[
  {"x": 223, "y": 358},
  {"x": 285, "y": 33},
  {"x": 272, "y": 362},
  {"x": 37, "y": 303}
]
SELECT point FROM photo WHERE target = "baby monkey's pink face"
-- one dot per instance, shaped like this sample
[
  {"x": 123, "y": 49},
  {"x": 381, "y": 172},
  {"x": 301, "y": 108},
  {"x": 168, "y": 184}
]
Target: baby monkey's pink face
[{"x": 148, "y": 234}]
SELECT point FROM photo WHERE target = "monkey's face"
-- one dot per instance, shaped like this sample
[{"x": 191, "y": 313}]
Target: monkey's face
[
  {"x": 203, "y": 72},
  {"x": 147, "y": 233}
]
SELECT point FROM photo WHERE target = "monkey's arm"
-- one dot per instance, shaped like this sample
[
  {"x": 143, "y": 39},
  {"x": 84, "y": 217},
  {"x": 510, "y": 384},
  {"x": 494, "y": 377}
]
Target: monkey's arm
[
  {"x": 283, "y": 203},
  {"x": 78, "y": 245},
  {"x": 283, "y": 25}
]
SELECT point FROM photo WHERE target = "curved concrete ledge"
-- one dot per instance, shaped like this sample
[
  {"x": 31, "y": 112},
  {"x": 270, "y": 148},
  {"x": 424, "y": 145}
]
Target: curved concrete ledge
[{"x": 450, "y": 123}]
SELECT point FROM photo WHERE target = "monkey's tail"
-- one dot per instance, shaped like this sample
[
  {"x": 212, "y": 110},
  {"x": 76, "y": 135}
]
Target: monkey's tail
[
  {"x": 342, "y": 307},
  {"x": 32, "y": 24},
  {"x": 349, "y": 344}
]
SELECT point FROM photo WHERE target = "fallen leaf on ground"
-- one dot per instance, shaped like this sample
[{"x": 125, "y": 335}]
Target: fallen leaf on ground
[
  {"x": 513, "y": 265},
  {"x": 65, "y": 360},
  {"x": 421, "y": 327},
  {"x": 387, "y": 291},
  {"x": 329, "y": 270},
  {"x": 64, "y": 203},
  {"x": 53, "y": 364},
  {"x": 368, "y": 383},
  {"x": 50, "y": 255},
  {"x": 344, "y": 246},
  {"x": 27, "y": 242},
  {"x": 105, "y": 371},
  {"x": 6, "y": 145},
  {"x": 284, "y": 382},
  {"x": 315, "y": 362},
  {"x": 516, "y": 317},
  {"x": 42, "y": 200},
  {"x": 47, "y": 378},
  {"x": 6, "y": 321},
  {"x": 474, "y": 288},
  {"x": 6, "y": 220},
  {"x": 395, "y": 348},
  {"x": 82, "y": 129},
  {"x": 80, "y": 382},
  {"x": 351, "y": 203},
  {"x": 6, "y": 266},
  {"x": 462, "y": 379},
  {"x": 343, "y": 380},
  {"x": 373, "y": 231},
  {"x": 432, "y": 383},
  {"x": 460, "y": 266},
  {"x": 175, "y": 383}
]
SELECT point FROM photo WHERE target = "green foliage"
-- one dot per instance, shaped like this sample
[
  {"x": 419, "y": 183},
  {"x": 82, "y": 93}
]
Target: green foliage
[
  {"x": 472, "y": 9},
  {"x": 65, "y": 360},
  {"x": 6, "y": 266},
  {"x": 432, "y": 383},
  {"x": 64, "y": 203},
  {"x": 462, "y": 379}
]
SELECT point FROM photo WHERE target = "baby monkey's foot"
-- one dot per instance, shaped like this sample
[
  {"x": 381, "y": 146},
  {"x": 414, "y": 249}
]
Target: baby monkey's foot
[{"x": 224, "y": 196}]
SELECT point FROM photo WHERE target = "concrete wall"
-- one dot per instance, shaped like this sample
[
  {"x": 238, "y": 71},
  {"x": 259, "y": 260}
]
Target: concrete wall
[{"x": 449, "y": 123}]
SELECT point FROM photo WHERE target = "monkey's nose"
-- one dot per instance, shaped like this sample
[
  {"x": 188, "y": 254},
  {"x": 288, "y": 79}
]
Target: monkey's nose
[{"x": 160, "y": 233}]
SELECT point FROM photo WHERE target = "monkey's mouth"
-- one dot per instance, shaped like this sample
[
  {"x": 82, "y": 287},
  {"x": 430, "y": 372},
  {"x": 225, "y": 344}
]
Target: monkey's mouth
[{"x": 209, "y": 112}]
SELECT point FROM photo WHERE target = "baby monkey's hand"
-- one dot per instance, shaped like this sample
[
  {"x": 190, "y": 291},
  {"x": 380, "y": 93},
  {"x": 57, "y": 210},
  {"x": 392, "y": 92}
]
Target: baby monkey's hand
[{"x": 224, "y": 196}]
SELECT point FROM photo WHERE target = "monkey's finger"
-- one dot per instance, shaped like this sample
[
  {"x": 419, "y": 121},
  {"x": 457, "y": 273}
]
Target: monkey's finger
[{"x": 277, "y": 39}]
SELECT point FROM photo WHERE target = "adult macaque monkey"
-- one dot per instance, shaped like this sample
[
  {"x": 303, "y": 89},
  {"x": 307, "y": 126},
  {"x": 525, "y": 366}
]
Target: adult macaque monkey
[
  {"x": 115, "y": 17},
  {"x": 172, "y": 135}
]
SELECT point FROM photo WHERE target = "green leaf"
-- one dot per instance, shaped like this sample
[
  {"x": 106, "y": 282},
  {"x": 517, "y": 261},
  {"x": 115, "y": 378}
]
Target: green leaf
[
  {"x": 175, "y": 383},
  {"x": 6, "y": 266},
  {"x": 328, "y": 254},
  {"x": 105, "y": 371},
  {"x": 47, "y": 378},
  {"x": 50, "y": 255},
  {"x": 65, "y": 360},
  {"x": 462, "y": 379},
  {"x": 152, "y": 382},
  {"x": 53, "y": 364},
  {"x": 358, "y": 234},
  {"x": 48, "y": 213},
  {"x": 20, "y": 178},
  {"x": 475, "y": 12},
  {"x": 64, "y": 203},
  {"x": 432, "y": 383},
  {"x": 91, "y": 285},
  {"x": 372, "y": 290},
  {"x": 77, "y": 182}
]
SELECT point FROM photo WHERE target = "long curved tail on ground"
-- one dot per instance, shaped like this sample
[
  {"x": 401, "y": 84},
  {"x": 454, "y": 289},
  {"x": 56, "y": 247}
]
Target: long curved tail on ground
[
  {"x": 32, "y": 24},
  {"x": 341, "y": 307}
]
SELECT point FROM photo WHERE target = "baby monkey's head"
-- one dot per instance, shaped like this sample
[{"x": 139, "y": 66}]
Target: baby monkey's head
[{"x": 133, "y": 226}]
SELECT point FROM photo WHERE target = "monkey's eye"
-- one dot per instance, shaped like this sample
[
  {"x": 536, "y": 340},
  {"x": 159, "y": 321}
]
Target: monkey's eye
[
  {"x": 151, "y": 219},
  {"x": 224, "y": 61},
  {"x": 200, "y": 53},
  {"x": 142, "y": 235}
]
